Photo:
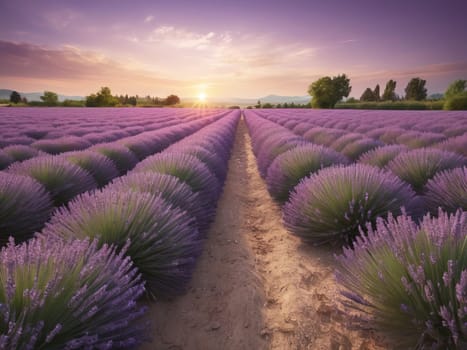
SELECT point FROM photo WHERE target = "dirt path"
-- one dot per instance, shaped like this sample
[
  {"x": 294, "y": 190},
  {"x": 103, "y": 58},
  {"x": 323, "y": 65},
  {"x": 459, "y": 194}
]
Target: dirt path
[
  {"x": 223, "y": 308},
  {"x": 256, "y": 286}
]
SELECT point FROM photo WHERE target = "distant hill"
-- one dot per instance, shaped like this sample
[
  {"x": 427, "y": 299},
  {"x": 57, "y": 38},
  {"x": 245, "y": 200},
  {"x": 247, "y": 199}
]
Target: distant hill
[
  {"x": 36, "y": 96},
  {"x": 273, "y": 99}
]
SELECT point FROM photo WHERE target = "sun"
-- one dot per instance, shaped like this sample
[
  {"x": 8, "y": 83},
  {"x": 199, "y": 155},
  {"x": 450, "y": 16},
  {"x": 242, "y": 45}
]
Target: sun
[{"x": 202, "y": 97}]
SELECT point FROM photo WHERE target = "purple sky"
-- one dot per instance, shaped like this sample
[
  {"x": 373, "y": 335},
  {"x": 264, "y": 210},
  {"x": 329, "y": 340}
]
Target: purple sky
[{"x": 229, "y": 49}]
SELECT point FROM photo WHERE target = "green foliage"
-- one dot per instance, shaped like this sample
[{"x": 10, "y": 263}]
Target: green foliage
[
  {"x": 410, "y": 281},
  {"x": 370, "y": 95},
  {"x": 172, "y": 100},
  {"x": 50, "y": 98},
  {"x": 457, "y": 87},
  {"x": 416, "y": 90},
  {"x": 367, "y": 95},
  {"x": 376, "y": 93},
  {"x": 15, "y": 97},
  {"x": 393, "y": 105},
  {"x": 389, "y": 93},
  {"x": 73, "y": 103},
  {"x": 103, "y": 98},
  {"x": 327, "y": 91},
  {"x": 267, "y": 105},
  {"x": 457, "y": 102}
]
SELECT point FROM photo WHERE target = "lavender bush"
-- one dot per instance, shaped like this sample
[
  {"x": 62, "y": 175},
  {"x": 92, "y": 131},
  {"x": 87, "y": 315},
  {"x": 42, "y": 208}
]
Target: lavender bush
[
  {"x": 381, "y": 156},
  {"x": 62, "y": 179},
  {"x": 448, "y": 190},
  {"x": 410, "y": 281},
  {"x": 290, "y": 167},
  {"x": 25, "y": 206},
  {"x": 334, "y": 203},
  {"x": 170, "y": 188},
  {"x": 122, "y": 157},
  {"x": 21, "y": 152},
  {"x": 187, "y": 168},
  {"x": 164, "y": 242},
  {"x": 418, "y": 166},
  {"x": 57, "y": 295},
  {"x": 101, "y": 168},
  {"x": 62, "y": 144}
]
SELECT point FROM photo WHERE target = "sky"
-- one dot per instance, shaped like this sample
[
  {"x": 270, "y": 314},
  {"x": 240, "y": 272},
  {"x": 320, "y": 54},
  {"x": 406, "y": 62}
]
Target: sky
[{"x": 245, "y": 49}]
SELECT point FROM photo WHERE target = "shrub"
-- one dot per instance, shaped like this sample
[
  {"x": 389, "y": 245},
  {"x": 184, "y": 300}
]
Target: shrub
[
  {"x": 411, "y": 281},
  {"x": 25, "y": 206},
  {"x": 418, "y": 166},
  {"x": 344, "y": 140},
  {"x": 334, "y": 203},
  {"x": 215, "y": 164},
  {"x": 164, "y": 242},
  {"x": 62, "y": 144},
  {"x": 62, "y": 179},
  {"x": 187, "y": 168},
  {"x": 274, "y": 147},
  {"x": 102, "y": 169},
  {"x": 21, "y": 152},
  {"x": 381, "y": 156},
  {"x": 170, "y": 188},
  {"x": 448, "y": 190},
  {"x": 456, "y": 102},
  {"x": 354, "y": 149},
  {"x": 290, "y": 167},
  {"x": 122, "y": 157},
  {"x": 456, "y": 144},
  {"x": 57, "y": 295}
]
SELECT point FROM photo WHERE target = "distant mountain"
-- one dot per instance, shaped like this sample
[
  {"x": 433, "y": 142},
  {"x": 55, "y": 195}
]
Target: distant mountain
[
  {"x": 273, "y": 99},
  {"x": 36, "y": 96}
]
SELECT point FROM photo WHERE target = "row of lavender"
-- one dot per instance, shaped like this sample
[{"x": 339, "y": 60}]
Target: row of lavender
[
  {"x": 58, "y": 131},
  {"x": 76, "y": 284},
  {"x": 406, "y": 278},
  {"x": 33, "y": 187}
]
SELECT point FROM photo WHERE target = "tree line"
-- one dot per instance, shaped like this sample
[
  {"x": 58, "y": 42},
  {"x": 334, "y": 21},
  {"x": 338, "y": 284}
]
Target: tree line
[
  {"x": 326, "y": 92},
  {"x": 102, "y": 98}
]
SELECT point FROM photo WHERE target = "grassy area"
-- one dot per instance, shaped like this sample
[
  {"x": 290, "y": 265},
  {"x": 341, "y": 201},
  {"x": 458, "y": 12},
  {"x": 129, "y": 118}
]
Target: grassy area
[{"x": 396, "y": 105}]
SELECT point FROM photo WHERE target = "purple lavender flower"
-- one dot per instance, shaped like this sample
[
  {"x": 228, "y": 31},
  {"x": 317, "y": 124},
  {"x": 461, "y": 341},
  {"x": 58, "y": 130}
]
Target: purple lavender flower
[
  {"x": 447, "y": 190},
  {"x": 336, "y": 202},
  {"x": 381, "y": 156},
  {"x": 122, "y": 157},
  {"x": 418, "y": 166},
  {"x": 101, "y": 168},
  {"x": 52, "y": 288},
  {"x": 290, "y": 167},
  {"x": 62, "y": 179},
  {"x": 163, "y": 241},
  {"x": 25, "y": 206},
  {"x": 422, "y": 301}
]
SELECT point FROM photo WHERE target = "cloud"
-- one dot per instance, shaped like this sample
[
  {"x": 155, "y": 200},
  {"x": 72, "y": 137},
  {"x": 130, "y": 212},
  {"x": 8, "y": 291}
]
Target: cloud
[
  {"x": 431, "y": 70},
  {"x": 71, "y": 66},
  {"x": 149, "y": 19},
  {"x": 60, "y": 19},
  {"x": 181, "y": 38}
]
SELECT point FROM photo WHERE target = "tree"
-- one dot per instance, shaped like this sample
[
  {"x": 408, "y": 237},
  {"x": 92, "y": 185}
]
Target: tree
[
  {"x": 376, "y": 93},
  {"x": 389, "y": 93},
  {"x": 50, "y": 98},
  {"x": 327, "y": 91},
  {"x": 416, "y": 90},
  {"x": 172, "y": 100},
  {"x": 367, "y": 95},
  {"x": 15, "y": 97},
  {"x": 103, "y": 98},
  {"x": 258, "y": 104},
  {"x": 457, "y": 87}
]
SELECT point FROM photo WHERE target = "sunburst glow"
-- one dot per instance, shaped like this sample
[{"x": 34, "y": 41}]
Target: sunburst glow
[{"x": 202, "y": 97}]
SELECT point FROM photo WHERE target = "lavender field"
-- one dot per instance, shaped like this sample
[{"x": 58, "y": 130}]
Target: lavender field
[{"x": 152, "y": 228}]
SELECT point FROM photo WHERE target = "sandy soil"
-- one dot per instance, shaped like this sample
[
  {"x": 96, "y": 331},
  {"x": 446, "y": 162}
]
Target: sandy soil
[{"x": 255, "y": 286}]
